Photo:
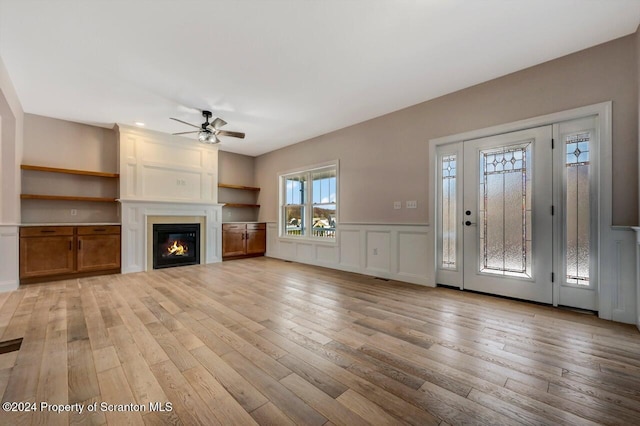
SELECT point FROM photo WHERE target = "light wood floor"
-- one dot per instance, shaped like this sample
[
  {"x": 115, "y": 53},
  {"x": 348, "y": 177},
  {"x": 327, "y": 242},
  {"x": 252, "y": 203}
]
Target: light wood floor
[{"x": 269, "y": 342}]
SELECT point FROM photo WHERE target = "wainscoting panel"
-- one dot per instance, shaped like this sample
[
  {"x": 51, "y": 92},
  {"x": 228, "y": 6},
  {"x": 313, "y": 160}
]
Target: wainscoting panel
[
  {"x": 618, "y": 275},
  {"x": 378, "y": 259},
  {"x": 412, "y": 247},
  {"x": 349, "y": 254},
  {"x": 397, "y": 252},
  {"x": 9, "y": 241}
]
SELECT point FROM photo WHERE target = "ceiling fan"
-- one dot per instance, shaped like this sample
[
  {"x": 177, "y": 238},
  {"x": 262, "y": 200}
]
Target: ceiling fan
[{"x": 208, "y": 132}]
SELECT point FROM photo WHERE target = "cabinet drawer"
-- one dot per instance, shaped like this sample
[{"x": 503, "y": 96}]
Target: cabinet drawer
[
  {"x": 233, "y": 226},
  {"x": 45, "y": 231},
  {"x": 98, "y": 230},
  {"x": 256, "y": 226}
]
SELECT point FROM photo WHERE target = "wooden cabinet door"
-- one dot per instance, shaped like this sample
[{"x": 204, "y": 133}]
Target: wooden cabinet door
[
  {"x": 256, "y": 238},
  {"x": 41, "y": 256},
  {"x": 98, "y": 252},
  {"x": 233, "y": 240}
]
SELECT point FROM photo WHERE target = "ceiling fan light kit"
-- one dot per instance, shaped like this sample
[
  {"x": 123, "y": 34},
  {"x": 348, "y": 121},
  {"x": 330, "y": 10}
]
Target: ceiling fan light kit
[{"x": 208, "y": 132}]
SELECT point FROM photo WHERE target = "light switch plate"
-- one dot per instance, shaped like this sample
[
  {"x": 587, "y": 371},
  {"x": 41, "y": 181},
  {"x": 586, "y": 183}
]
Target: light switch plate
[
  {"x": 397, "y": 205},
  {"x": 413, "y": 204}
]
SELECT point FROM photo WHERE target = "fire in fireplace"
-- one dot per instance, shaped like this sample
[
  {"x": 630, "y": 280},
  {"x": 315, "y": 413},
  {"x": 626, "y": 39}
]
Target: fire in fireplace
[{"x": 176, "y": 244}]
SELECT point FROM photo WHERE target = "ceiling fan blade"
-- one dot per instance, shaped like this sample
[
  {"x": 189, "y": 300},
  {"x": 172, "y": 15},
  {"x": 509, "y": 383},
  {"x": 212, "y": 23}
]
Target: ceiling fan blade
[
  {"x": 185, "y": 133},
  {"x": 230, "y": 133},
  {"x": 184, "y": 122},
  {"x": 217, "y": 123}
]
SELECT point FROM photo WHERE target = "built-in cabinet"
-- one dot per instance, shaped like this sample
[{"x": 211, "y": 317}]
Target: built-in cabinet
[
  {"x": 243, "y": 240},
  {"x": 60, "y": 252}
]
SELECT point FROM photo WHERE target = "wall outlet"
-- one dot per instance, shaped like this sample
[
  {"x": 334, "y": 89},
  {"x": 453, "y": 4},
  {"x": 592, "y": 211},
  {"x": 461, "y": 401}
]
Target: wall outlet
[
  {"x": 397, "y": 205},
  {"x": 413, "y": 204},
  {"x": 74, "y": 212}
]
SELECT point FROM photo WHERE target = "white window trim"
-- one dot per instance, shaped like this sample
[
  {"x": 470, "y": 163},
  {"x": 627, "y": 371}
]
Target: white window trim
[{"x": 281, "y": 197}]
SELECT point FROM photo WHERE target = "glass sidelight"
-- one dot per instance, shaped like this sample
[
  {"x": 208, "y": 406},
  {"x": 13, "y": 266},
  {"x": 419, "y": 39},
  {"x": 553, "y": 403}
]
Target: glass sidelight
[
  {"x": 448, "y": 213},
  {"x": 577, "y": 206}
]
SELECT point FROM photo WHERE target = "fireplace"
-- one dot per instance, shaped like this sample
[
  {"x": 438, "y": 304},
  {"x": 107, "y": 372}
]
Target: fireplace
[{"x": 176, "y": 244}]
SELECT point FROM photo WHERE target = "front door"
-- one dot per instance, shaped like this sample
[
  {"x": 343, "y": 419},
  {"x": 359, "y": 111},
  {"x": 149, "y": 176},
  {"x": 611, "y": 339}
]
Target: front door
[{"x": 495, "y": 222}]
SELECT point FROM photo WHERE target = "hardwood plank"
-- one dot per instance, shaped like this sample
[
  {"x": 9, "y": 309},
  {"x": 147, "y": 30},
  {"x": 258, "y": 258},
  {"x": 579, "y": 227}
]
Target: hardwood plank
[
  {"x": 395, "y": 405},
  {"x": 566, "y": 408},
  {"x": 226, "y": 409},
  {"x": 294, "y": 407},
  {"x": 115, "y": 390},
  {"x": 15, "y": 319},
  {"x": 270, "y": 415},
  {"x": 143, "y": 384},
  {"x": 316, "y": 377},
  {"x": 239, "y": 387},
  {"x": 321, "y": 402},
  {"x": 366, "y": 409},
  {"x": 188, "y": 405},
  {"x": 82, "y": 377},
  {"x": 105, "y": 358}
]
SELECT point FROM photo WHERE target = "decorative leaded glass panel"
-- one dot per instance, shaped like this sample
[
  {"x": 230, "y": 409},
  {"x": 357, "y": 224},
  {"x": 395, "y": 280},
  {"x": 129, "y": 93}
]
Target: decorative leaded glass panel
[
  {"x": 577, "y": 208},
  {"x": 505, "y": 210},
  {"x": 449, "y": 228}
]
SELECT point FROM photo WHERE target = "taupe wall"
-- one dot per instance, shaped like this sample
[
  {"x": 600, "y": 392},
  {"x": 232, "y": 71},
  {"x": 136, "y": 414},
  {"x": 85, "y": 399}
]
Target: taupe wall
[
  {"x": 638, "y": 81},
  {"x": 64, "y": 144},
  {"x": 385, "y": 159},
  {"x": 59, "y": 143},
  {"x": 235, "y": 169}
]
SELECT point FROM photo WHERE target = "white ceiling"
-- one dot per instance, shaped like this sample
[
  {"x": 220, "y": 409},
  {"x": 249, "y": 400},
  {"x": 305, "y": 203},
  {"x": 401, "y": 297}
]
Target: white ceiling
[{"x": 280, "y": 70}]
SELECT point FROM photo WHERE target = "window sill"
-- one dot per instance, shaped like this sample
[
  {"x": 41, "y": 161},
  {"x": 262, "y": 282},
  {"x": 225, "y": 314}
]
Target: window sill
[{"x": 308, "y": 240}]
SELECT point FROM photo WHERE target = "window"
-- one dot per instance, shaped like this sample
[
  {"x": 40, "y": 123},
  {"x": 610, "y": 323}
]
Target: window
[{"x": 309, "y": 203}]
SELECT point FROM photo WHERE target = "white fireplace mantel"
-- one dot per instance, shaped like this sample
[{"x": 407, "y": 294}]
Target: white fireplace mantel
[{"x": 134, "y": 229}]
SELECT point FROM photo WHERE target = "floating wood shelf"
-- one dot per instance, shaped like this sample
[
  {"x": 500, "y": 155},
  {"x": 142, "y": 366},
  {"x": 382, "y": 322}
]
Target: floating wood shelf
[
  {"x": 66, "y": 198},
  {"x": 241, "y": 205},
  {"x": 69, "y": 171},
  {"x": 247, "y": 188}
]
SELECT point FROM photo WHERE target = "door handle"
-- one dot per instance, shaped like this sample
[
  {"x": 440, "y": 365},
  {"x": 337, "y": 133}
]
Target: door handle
[{"x": 469, "y": 223}]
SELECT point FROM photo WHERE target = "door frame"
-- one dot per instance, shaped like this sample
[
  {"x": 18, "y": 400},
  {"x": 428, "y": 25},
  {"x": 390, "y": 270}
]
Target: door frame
[{"x": 603, "y": 113}]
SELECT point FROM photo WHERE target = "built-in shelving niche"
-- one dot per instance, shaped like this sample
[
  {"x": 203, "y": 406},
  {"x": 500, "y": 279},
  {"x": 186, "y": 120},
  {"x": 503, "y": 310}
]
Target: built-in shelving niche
[
  {"x": 240, "y": 202},
  {"x": 60, "y": 195}
]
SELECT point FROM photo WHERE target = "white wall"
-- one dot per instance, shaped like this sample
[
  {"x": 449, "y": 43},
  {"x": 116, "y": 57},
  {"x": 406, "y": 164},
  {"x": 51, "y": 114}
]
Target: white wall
[{"x": 11, "y": 125}]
